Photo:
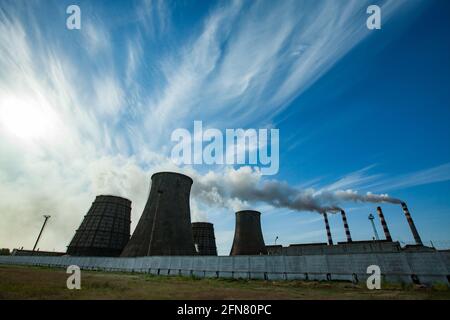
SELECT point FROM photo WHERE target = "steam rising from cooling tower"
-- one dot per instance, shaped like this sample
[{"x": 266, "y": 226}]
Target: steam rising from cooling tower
[
  {"x": 248, "y": 237},
  {"x": 165, "y": 225}
]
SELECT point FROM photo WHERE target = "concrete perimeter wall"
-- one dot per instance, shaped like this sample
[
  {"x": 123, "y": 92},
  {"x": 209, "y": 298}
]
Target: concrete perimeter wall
[{"x": 428, "y": 267}]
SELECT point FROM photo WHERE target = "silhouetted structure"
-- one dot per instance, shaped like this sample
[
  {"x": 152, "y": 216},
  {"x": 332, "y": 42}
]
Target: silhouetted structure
[
  {"x": 105, "y": 229},
  {"x": 412, "y": 226},
  {"x": 347, "y": 229},
  {"x": 165, "y": 224},
  {"x": 21, "y": 252},
  {"x": 204, "y": 239},
  {"x": 375, "y": 232},
  {"x": 46, "y": 217},
  {"x": 248, "y": 237},
  {"x": 327, "y": 227},
  {"x": 384, "y": 224}
]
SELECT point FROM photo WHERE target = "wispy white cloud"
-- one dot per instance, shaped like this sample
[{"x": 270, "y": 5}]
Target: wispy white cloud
[
  {"x": 52, "y": 134},
  {"x": 249, "y": 62},
  {"x": 436, "y": 174},
  {"x": 154, "y": 17},
  {"x": 354, "y": 180},
  {"x": 364, "y": 180},
  {"x": 109, "y": 94},
  {"x": 134, "y": 56},
  {"x": 96, "y": 38},
  {"x": 240, "y": 67}
]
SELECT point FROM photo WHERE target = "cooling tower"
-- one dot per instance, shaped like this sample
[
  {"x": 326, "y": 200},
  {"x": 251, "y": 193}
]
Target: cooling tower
[
  {"x": 105, "y": 229},
  {"x": 164, "y": 228},
  {"x": 248, "y": 237},
  {"x": 204, "y": 240}
]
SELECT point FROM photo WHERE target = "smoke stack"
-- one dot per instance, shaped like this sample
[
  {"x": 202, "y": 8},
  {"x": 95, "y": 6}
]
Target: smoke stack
[
  {"x": 204, "y": 240},
  {"x": 411, "y": 224},
  {"x": 347, "y": 229},
  {"x": 248, "y": 237},
  {"x": 164, "y": 228},
  {"x": 327, "y": 226},
  {"x": 105, "y": 229},
  {"x": 384, "y": 225}
]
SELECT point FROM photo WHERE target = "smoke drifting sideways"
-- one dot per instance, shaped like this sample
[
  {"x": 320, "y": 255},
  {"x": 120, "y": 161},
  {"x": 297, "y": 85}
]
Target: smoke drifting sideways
[{"x": 235, "y": 189}]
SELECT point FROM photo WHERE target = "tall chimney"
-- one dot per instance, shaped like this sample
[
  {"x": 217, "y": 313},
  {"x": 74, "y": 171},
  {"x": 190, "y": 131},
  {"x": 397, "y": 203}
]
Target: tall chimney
[
  {"x": 327, "y": 226},
  {"x": 412, "y": 225},
  {"x": 384, "y": 225},
  {"x": 347, "y": 230},
  {"x": 248, "y": 237}
]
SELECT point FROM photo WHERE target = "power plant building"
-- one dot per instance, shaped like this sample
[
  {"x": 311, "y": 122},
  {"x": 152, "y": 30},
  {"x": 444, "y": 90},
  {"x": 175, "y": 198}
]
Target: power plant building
[{"x": 165, "y": 230}]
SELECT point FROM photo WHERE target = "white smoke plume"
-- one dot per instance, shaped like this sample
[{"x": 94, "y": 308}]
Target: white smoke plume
[{"x": 235, "y": 189}]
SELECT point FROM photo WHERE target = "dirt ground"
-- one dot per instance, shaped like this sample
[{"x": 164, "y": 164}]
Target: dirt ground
[{"x": 23, "y": 282}]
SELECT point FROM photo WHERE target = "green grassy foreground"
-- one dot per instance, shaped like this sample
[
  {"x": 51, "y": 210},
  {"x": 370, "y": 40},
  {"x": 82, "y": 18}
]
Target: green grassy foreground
[{"x": 24, "y": 282}]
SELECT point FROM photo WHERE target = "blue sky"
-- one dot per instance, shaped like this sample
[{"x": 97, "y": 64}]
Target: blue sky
[{"x": 90, "y": 111}]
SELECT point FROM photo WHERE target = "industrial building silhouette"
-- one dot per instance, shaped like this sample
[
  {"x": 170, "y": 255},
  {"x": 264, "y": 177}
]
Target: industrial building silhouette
[
  {"x": 248, "y": 236},
  {"x": 165, "y": 225},
  {"x": 166, "y": 242},
  {"x": 204, "y": 238},
  {"x": 105, "y": 229},
  {"x": 165, "y": 229}
]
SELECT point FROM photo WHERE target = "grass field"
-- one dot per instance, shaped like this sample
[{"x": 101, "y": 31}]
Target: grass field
[{"x": 23, "y": 282}]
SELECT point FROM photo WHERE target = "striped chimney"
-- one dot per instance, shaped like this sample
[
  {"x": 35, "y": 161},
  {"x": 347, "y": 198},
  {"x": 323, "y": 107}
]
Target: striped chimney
[
  {"x": 384, "y": 225},
  {"x": 347, "y": 230},
  {"x": 327, "y": 226},
  {"x": 412, "y": 225}
]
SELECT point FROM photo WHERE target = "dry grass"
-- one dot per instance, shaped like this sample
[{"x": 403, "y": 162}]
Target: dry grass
[{"x": 21, "y": 282}]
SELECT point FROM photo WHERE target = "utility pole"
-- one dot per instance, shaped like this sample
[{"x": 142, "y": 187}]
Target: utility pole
[
  {"x": 371, "y": 217},
  {"x": 40, "y": 233}
]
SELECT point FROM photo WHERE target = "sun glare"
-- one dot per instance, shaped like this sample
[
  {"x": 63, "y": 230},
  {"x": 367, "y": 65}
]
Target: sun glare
[{"x": 25, "y": 118}]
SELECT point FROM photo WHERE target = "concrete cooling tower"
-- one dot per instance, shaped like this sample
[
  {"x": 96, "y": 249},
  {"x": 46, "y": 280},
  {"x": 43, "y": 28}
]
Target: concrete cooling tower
[
  {"x": 105, "y": 229},
  {"x": 204, "y": 240},
  {"x": 248, "y": 237},
  {"x": 164, "y": 228}
]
